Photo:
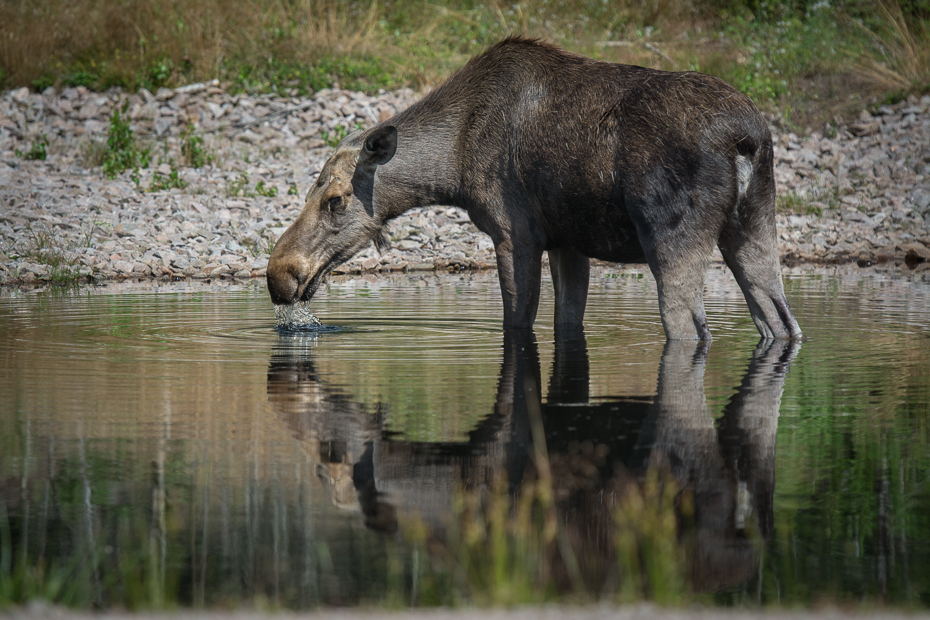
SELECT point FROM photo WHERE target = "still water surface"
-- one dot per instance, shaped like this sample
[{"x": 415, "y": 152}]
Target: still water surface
[{"x": 165, "y": 445}]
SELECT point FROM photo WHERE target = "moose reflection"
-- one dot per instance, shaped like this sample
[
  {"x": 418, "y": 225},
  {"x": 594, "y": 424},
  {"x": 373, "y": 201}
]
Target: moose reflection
[{"x": 594, "y": 450}]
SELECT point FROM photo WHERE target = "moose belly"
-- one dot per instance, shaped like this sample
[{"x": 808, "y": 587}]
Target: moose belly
[{"x": 607, "y": 235}]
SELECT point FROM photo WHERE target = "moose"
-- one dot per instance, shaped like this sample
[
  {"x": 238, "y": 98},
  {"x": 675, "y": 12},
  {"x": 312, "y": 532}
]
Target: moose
[{"x": 550, "y": 151}]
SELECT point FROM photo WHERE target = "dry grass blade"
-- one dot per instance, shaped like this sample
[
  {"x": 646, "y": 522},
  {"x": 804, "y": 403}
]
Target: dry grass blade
[
  {"x": 900, "y": 59},
  {"x": 193, "y": 37}
]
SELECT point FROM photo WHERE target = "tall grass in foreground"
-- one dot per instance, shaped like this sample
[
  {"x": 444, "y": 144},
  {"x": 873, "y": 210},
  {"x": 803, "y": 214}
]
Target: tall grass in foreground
[{"x": 498, "y": 549}]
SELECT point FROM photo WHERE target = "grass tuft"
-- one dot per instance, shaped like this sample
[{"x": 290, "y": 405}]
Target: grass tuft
[
  {"x": 122, "y": 151},
  {"x": 897, "y": 58},
  {"x": 332, "y": 140},
  {"x": 161, "y": 182},
  {"x": 44, "y": 247},
  {"x": 192, "y": 149},
  {"x": 37, "y": 152}
]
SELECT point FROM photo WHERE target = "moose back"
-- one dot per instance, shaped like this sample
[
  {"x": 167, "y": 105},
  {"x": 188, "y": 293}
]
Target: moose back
[{"x": 549, "y": 151}]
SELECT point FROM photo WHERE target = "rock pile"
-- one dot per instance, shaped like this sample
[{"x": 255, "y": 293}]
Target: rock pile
[
  {"x": 866, "y": 189},
  {"x": 861, "y": 194}
]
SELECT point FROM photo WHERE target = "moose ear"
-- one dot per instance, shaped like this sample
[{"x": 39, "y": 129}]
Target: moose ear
[{"x": 379, "y": 147}]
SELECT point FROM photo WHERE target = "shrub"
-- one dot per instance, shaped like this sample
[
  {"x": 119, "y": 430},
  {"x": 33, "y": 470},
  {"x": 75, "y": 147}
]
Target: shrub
[
  {"x": 172, "y": 180},
  {"x": 192, "y": 150},
  {"x": 122, "y": 152},
  {"x": 266, "y": 190},
  {"x": 39, "y": 150}
]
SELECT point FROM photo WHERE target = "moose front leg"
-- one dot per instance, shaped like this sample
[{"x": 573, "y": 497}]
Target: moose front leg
[
  {"x": 519, "y": 268},
  {"x": 570, "y": 275}
]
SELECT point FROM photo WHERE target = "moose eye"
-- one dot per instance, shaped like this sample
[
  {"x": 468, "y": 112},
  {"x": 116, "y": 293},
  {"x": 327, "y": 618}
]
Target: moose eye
[{"x": 334, "y": 203}]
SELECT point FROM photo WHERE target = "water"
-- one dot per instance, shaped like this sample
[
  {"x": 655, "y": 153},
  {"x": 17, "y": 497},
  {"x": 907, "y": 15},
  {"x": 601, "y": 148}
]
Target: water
[
  {"x": 297, "y": 317},
  {"x": 166, "y": 445}
]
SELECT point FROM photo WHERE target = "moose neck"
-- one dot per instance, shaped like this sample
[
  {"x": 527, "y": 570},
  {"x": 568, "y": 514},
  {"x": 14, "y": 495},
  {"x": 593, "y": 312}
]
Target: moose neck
[{"x": 424, "y": 170}]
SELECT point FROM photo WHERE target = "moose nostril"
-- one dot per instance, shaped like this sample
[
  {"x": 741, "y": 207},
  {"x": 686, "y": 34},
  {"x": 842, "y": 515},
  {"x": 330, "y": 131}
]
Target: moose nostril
[{"x": 282, "y": 286}]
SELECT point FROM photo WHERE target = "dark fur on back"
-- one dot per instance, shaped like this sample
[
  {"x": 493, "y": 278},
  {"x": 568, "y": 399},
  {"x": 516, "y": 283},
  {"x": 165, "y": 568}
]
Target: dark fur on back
[
  {"x": 552, "y": 152},
  {"x": 527, "y": 112}
]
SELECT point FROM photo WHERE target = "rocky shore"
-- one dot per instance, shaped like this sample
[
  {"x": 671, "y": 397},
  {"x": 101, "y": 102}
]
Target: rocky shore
[{"x": 856, "y": 193}]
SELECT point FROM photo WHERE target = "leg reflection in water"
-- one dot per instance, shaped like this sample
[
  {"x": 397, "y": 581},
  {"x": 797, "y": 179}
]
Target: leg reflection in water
[
  {"x": 593, "y": 450},
  {"x": 729, "y": 466}
]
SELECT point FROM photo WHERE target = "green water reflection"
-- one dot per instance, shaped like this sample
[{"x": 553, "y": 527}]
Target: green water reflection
[{"x": 168, "y": 447}]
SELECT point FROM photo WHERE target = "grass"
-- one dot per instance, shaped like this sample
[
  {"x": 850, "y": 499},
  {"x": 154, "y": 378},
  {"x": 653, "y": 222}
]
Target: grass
[
  {"x": 813, "y": 58},
  {"x": 811, "y": 202},
  {"x": 529, "y": 546},
  {"x": 85, "y": 579},
  {"x": 172, "y": 180},
  {"x": 500, "y": 548},
  {"x": 897, "y": 59},
  {"x": 795, "y": 204},
  {"x": 44, "y": 247},
  {"x": 269, "y": 191},
  {"x": 339, "y": 133},
  {"x": 258, "y": 245},
  {"x": 122, "y": 151},
  {"x": 37, "y": 152},
  {"x": 240, "y": 187},
  {"x": 192, "y": 149}
]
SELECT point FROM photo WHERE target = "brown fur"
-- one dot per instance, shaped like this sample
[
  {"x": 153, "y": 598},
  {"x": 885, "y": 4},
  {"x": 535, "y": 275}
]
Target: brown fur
[{"x": 553, "y": 152}]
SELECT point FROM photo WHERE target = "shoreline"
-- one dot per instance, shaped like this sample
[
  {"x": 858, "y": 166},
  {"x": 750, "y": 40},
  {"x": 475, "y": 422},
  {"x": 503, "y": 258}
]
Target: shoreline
[{"x": 860, "y": 195}]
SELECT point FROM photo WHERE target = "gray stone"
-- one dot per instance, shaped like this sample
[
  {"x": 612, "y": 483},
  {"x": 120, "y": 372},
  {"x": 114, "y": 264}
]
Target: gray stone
[
  {"x": 202, "y": 227},
  {"x": 921, "y": 199},
  {"x": 162, "y": 125}
]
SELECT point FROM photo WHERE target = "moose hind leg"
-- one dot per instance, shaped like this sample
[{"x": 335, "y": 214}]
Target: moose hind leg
[
  {"x": 752, "y": 256},
  {"x": 570, "y": 275}
]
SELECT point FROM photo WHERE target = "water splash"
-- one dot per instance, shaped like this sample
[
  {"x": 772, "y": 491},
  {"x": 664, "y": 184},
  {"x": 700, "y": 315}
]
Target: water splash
[{"x": 296, "y": 317}]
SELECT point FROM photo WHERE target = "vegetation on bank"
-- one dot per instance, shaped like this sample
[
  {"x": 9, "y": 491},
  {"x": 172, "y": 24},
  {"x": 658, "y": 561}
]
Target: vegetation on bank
[{"x": 806, "y": 58}]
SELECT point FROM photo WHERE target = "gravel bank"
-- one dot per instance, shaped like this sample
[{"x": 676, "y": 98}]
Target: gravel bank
[{"x": 863, "y": 193}]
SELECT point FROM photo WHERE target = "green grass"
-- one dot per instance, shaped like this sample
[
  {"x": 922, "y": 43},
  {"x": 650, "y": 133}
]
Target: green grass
[
  {"x": 240, "y": 187},
  {"x": 161, "y": 182},
  {"x": 192, "y": 149},
  {"x": 258, "y": 246},
  {"x": 794, "y": 203},
  {"x": 810, "y": 57},
  {"x": 38, "y": 150},
  {"x": 269, "y": 191},
  {"x": 122, "y": 150},
  {"x": 339, "y": 133},
  {"x": 497, "y": 550},
  {"x": 44, "y": 247},
  {"x": 811, "y": 203}
]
